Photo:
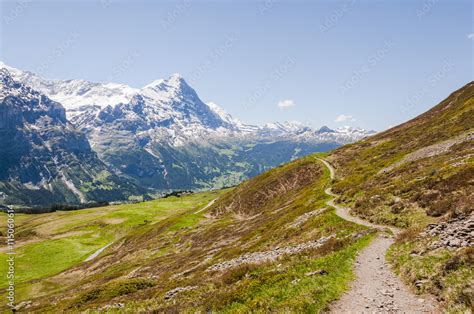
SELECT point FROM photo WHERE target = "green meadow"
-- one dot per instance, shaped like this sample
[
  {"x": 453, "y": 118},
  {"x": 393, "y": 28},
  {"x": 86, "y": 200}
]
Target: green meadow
[{"x": 47, "y": 244}]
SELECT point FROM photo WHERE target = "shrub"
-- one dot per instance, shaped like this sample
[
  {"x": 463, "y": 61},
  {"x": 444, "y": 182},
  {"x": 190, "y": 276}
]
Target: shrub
[
  {"x": 111, "y": 290},
  {"x": 235, "y": 274},
  {"x": 408, "y": 234},
  {"x": 441, "y": 207}
]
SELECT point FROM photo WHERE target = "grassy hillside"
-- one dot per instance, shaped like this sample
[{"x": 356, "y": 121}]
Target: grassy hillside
[
  {"x": 299, "y": 254},
  {"x": 272, "y": 243},
  {"x": 418, "y": 173},
  {"x": 50, "y": 243}
]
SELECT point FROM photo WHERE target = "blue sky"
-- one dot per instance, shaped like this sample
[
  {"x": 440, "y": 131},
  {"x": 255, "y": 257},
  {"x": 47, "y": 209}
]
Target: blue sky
[{"x": 364, "y": 63}]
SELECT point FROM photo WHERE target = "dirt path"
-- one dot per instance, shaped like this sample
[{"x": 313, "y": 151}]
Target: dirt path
[
  {"x": 332, "y": 173},
  {"x": 96, "y": 253},
  {"x": 376, "y": 289},
  {"x": 206, "y": 207},
  {"x": 344, "y": 213}
]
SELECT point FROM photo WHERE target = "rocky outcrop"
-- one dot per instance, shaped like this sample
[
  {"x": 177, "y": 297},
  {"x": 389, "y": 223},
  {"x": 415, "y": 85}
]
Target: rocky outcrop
[
  {"x": 269, "y": 256},
  {"x": 306, "y": 216},
  {"x": 452, "y": 234},
  {"x": 170, "y": 294},
  {"x": 110, "y": 307}
]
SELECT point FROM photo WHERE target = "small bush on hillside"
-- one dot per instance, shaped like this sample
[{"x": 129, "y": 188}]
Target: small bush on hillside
[
  {"x": 26, "y": 234},
  {"x": 440, "y": 207},
  {"x": 330, "y": 246},
  {"x": 409, "y": 234},
  {"x": 237, "y": 273},
  {"x": 111, "y": 290}
]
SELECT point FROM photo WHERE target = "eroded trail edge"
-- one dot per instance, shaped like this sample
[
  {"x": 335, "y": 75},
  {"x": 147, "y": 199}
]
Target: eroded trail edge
[{"x": 376, "y": 288}]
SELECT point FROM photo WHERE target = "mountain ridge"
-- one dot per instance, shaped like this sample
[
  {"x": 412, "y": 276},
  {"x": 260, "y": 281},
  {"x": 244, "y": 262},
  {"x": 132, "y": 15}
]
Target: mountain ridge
[
  {"x": 112, "y": 94},
  {"x": 44, "y": 159},
  {"x": 164, "y": 137}
]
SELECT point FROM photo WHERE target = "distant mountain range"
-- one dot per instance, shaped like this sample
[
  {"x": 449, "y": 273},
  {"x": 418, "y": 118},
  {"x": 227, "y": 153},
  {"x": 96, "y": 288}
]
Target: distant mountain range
[{"x": 157, "y": 138}]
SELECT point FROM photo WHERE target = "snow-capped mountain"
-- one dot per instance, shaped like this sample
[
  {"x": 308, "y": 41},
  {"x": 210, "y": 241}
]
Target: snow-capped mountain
[
  {"x": 43, "y": 157},
  {"x": 164, "y": 136},
  {"x": 74, "y": 94},
  {"x": 168, "y": 102}
]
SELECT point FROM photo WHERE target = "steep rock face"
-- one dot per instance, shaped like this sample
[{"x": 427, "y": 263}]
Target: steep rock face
[{"x": 43, "y": 158}]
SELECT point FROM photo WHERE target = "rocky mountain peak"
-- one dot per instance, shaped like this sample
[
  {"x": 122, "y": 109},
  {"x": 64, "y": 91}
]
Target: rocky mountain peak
[
  {"x": 325, "y": 129},
  {"x": 175, "y": 87}
]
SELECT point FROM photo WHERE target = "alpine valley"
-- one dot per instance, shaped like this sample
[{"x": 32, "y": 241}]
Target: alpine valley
[
  {"x": 74, "y": 141},
  {"x": 383, "y": 225}
]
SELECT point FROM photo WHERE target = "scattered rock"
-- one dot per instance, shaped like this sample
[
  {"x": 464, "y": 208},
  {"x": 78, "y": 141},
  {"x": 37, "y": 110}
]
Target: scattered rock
[
  {"x": 317, "y": 272},
  {"x": 420, "y": 283},
  {"x": 268, "y": 256},
  {"x": 306, "y": 216},
  {"x": 170, "y": 294},
  {"x": 23, "y": 305},
  {"x": 455, "y": 233},
  {"x": 376, "y": 198},
  {"x": 361, "y": 234},
  {"x": 113, "y": 306}
]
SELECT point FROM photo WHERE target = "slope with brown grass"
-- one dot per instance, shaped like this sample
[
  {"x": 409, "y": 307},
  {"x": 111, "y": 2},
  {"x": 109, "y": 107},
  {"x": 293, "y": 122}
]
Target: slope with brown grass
[{"x": 413, "y": 175}]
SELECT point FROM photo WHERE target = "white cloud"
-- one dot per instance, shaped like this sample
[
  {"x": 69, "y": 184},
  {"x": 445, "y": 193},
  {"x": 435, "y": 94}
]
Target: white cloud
[
  {"x": 470, "y": 36},
  {"x": 344, "y": 117},
  {"x": 284, "y": 104}
]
